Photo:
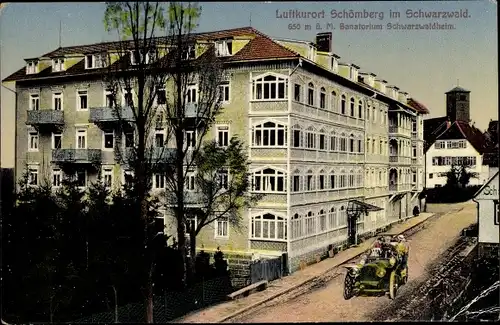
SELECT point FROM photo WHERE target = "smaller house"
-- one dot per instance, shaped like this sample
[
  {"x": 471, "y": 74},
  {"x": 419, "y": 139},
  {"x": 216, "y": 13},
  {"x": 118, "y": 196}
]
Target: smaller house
[{"x": 488, "y": 213}]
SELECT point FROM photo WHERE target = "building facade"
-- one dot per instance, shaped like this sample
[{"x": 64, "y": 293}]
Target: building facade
[
  {"x": 320, "y": 133},
  {"x": 454, "y": 140}
]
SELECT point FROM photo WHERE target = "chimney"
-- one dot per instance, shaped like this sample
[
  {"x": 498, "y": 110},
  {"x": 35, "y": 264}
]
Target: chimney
[{"x": 324, "y": 42}]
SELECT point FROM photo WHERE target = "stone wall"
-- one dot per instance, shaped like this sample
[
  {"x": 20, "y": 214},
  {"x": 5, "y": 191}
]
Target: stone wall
[{"x": 239, "y": 267}]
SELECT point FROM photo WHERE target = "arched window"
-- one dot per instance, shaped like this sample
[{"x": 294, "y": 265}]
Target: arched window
[
  {"x": 351, "y": 143},
  {"x": 334, "y": 104},
  {"x": 342, "y": 216},
  {"x": 311, "y": 138},
  {"x": 332, "y": 218},
  {"x": 297, "y": 226},
  {"x": 310, "y": 94},
  {"x": 322, "y": 220},
  {"x": 351, "y": 179},
  {"x": 321, "y": 180},
  {"x": 360, "y": 146},
  {"x": 269, "y": 87},
  {"x": 342, "y": 179},
  {"x": 368, "y": 141},
  {"x": 352, "y": 107},
  {"x": 360, "y": 109},
  {"x": 322, "y": 139},
  {"x": 333, "y": 142},
  {"x": 269, "y": 226},
  {"x": 343, "y": 105},
  {"x": 269, "y": 180},
  {"x": 322, "y": 98},
  {"x": 310, "y": 186},
  {"x": 368, "y": 108},
  {"x": 269, "y": 134},
  {"x": 296, "y": 186},
  {"x": 297, "y": 136},
  {"x": 310, "y": 223},
  {"x": 360, "y": 178},
  {"x": 333, "y": 180},
  {"x": 343, "y": 142}
]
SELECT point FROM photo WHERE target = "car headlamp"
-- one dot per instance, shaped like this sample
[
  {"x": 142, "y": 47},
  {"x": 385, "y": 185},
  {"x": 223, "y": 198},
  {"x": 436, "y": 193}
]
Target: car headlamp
[
  {"x": 380, "y": 272},
  {"x": 392, "y": 261}
]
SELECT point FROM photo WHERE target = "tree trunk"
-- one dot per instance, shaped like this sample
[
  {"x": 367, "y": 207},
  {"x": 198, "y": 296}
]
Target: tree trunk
[{"x": 192, "y": 242}]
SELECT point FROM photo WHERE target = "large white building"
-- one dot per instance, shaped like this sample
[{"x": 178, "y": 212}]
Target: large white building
[
  {"x": 454, "y": 140},
  {"x": 320, "y": 135}
]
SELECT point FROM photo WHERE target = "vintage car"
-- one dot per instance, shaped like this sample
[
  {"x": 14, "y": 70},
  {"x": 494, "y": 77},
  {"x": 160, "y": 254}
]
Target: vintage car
[{"x": 378, "y": 275}]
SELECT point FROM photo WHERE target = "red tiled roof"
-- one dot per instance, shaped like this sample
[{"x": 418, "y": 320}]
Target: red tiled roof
[
  {"x": 459, "y": 130},
  {"x": 263, "y": 48},
  {"x": 473, "y": 135},
  {"x": 419, "y": 107}
]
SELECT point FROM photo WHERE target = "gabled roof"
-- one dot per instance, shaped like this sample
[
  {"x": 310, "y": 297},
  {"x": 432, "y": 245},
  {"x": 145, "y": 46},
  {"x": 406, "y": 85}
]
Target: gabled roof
[
  {"x": 455, "y": 131},
  {"x": 419, "y": 107}
]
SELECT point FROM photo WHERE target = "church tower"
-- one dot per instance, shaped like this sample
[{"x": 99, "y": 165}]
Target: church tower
[{"x": 458, "y": 104}]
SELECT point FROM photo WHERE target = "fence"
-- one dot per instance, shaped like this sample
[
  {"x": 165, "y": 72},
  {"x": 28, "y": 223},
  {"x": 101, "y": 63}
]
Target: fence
[{"x": 268, "y": 269}]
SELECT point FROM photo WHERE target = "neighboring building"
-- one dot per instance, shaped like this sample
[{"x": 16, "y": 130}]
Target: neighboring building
[
  {"x": 487, "y": 199},
  {"x": 454, "y": 140},
  {"x": 320, "y": 134}
]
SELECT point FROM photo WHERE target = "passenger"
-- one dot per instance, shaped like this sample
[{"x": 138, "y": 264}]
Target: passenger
[{"x": 402, "y": 250}]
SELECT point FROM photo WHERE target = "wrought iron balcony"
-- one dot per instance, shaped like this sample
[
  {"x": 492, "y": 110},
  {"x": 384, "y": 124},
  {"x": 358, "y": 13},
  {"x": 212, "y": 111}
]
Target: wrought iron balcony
[
  {"x": 153, "y": 155},
  {"x": 106, "y": 114},
  {"x": 77, "y": 156},
  {"x": 45, "y": 118}
]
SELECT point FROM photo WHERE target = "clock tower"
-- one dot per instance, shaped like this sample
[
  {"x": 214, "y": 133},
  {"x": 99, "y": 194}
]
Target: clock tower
[{"x": 458, "y": 104}]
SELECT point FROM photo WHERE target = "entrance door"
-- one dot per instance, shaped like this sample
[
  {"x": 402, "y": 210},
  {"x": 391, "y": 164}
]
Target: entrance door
[{"x": 351, "y": 229}]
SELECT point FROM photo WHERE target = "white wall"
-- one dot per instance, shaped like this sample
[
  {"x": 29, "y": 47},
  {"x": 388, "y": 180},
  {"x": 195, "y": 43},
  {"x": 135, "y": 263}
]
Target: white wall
[
  {"x": 488, "y": 230},
  {"x": 469, "y": 151}
]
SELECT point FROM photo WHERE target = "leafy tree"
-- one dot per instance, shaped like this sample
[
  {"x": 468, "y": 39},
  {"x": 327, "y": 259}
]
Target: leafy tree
[
  {"x": 465, "y": 175},
  {"x": 452, "y": 176}
]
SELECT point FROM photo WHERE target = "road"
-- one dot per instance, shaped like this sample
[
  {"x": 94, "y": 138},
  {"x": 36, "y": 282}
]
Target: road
[{"x": 327, "y": 304}]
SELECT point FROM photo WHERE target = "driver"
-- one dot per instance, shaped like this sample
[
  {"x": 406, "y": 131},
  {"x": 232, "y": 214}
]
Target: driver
[{"x": 402, "y": 250}]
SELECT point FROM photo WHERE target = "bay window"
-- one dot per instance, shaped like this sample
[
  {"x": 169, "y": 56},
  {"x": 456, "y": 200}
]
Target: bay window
[
  {"x": 269, "y": 180},
  {"x": 269, "y": 226},
  {"x": 269, "y": 134}
]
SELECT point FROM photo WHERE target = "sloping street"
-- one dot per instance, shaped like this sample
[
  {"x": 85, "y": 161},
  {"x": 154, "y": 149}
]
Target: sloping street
[{"x": 326, "y": 303}]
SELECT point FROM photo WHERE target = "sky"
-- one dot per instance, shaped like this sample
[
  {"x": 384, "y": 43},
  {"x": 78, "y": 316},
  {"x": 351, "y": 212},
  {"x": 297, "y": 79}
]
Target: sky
[{"x": 424, "y": 63}]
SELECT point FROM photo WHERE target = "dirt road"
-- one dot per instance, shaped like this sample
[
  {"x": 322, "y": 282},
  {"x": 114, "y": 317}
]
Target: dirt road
[{"x": 327, "y": 304}]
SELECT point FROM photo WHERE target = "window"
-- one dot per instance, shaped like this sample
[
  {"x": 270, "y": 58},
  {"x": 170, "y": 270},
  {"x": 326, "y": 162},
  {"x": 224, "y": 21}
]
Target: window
[
  {"x": 360, "y": 146},
  {"x": 322, "y": 220},
  {"x": 57, "y": 101},
  {"x": 223, "y": 135},
  {"x": 224, "y": 92},
  {"x": 269, "y": 180},
  {"x": 159, "y": 181},
  {"x": 332, "y": 218},
  {"x": 161, "y": 97},
  {"x": 440, "y": 145},
  {"x": 414, "y": 152},
  {"x": 33, "y": 141},
  {"x": 297, "y": 137},
  {"x": 342, "y": 105},
  {"x": 128, "y": 98},
  {"x": 191, "y": 94},
  {"x": 414, "y": 177},
  {"x": 81, "y": 139},
  {"x": 34, "y": 102},
  {"x": 310, "y": 94},
  {"x": 56, "y": 178},
  {"x": 129, "y": 139},
  {"x": 296, "y": 181},
  {"x": 297, "y": 227},
  {"x": 56, "y": 140},
  {"x": 222, "y": 227},
  {"x": 333, "y": 142},
  {"x": 311, "y": 138},
  {"x": 322, "y": 140},
  {"x": 269, "y": 226},
  {"x": 269, "y": 134},
  {"x": 343, "y": 143},
  {"x": 93, "y": 61},
  {"x": 333, "y": 101},
  {"x": 33, "y": 175},
  {"x": 223, "y": 48},
  {"x": 82, "y": 98},
  {"x": 270, "y": 87},
  {"x": 351, "y": 143},
  {"x": 81, "y": 178},
  {"x": 352, "y": 107},
  {"x": 321, "y": 180},
  {"x": 414, "y": 126},
  {"x": 332, "y": 180},
  {"x": 223, "y": 178},
  {"x": 310, "y": 223},
  {"x": 58, "y": 65},
  {"x": 456, "y": 144},
  {"x": 128, "y": 177},
  {"x": 107, "y": 177},
  {"x": 322, "y": 98},
  {"x": 342, "y": 180},
  {"x": 360, "y": 109},
  {"x": 431, "y": 175},
  {"x": 297, "y": 93},
  {"x": 109, "y": 98},
  {"x": 108, "y": 140},
  {"x": 137, "y": 57},
  {"x": 188, "y": 52},
  {"x": 190, "y": 181},
  {"x": 368, "y": 108},
  {"x": 160, "y": 138},
  {"x": 310, "y": 181},
  {"x": 32, "y": 67},
  {"x": 191, "y": 139}
]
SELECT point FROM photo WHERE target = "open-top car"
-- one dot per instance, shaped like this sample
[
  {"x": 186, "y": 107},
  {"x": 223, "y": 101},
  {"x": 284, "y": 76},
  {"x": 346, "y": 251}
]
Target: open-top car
[{"x": 378, "y": 275}]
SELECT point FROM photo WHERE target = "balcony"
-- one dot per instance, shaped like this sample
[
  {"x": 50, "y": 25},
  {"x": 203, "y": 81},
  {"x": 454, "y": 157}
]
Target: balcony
[
  {"x": 45, "y": 118},
  {"x": 395, "y": 130},
  {"x": 76, "y": 156},
  {"x": 399, "y": 160},
  {"x": 105, "y": 115},
  {"x": 399, "y": 187}
]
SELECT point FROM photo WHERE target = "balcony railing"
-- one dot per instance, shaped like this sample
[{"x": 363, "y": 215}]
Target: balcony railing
[
  {"x": 45, "y": 117},
  {"x": 78, "y": 156},
  {"x": 107, "y": 114}
]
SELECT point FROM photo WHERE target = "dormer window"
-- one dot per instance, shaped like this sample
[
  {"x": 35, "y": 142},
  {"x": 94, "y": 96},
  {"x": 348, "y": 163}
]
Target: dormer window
[
  {"x": 32, "y": 67},
  {"x": 188, "y": 52},
  {"x": 57, "y": 65},
  {"x": 136, "y": 57},
  {"x": 224, "y": 48},
  {"x": 353, "y": 74},
  {"x": 94, "y": 61}
]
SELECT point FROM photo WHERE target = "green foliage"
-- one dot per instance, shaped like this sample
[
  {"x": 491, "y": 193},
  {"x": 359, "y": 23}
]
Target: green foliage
[
  {"x": 184, "y": 17},
  {"x": 130, "y": 19},
  {"x": 459, "y": 176}
]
